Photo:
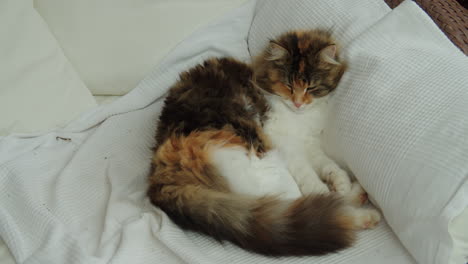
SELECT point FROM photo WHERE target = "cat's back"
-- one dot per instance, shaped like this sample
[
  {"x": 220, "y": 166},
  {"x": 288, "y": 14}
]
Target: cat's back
[
  {"x": 220, "y": 78},
  {"x": 212, "y": 94}
]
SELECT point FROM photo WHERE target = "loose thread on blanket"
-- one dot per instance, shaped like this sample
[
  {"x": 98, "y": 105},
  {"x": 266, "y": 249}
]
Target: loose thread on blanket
[{"x": 62, "y": 138}]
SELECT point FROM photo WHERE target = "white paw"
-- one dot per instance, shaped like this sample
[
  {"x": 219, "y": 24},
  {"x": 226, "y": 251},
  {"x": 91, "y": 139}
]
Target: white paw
[
  {"x": 366, "y": 218},
  {"x": 313, "y": 188},
  {"x": 357, "y": 195},
  {"x": 337, "y": 179}
]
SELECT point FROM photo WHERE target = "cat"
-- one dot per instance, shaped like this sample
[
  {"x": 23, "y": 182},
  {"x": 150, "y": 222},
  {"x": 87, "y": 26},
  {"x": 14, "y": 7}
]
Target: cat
[{"x": 224, "y": 104}]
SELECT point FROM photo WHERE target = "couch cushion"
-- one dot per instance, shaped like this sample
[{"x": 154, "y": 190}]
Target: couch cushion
[
  {"x": 114, "y": 44},
  {"x": 39, "y": 89}
]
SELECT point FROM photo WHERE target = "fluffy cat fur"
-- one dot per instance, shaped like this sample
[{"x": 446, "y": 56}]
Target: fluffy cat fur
[{"x": 224, "y": 104}]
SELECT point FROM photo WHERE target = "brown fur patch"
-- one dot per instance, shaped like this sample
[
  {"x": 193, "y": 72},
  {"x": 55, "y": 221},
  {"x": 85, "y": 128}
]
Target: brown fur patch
[
  {"x": 301, "y": 66},
  {"x": 213, "y": 95}
]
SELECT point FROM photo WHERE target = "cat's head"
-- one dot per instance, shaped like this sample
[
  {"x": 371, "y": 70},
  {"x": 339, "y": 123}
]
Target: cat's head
[{"x": 300, "y": 66}]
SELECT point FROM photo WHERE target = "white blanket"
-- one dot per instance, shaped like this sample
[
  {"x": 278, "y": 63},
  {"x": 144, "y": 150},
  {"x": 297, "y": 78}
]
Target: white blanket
[{"x": 77, "y": 195}]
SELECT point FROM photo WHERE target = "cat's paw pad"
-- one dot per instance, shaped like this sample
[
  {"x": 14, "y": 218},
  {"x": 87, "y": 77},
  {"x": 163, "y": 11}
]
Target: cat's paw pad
[
  {"x": 337, "y": 179},
  {"x": 357, "y": 196},
  {"x": 368, "y": 219}
]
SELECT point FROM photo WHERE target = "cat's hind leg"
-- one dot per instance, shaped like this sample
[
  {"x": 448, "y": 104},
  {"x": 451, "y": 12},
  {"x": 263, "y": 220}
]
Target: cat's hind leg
[
  {"x": 363, "y": 218},
  {"x": 357, "y": 196}
]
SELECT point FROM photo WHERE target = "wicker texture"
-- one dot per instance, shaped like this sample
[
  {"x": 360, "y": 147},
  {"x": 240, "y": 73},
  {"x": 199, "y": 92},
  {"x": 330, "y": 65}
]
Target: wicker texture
[
  {"x": 449, "y": 15},
  {"x": 393, "y": 3}
]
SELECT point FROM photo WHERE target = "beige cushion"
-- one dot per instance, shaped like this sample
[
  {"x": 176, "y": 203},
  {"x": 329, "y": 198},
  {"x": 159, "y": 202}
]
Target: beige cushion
[
  {"x": 114, "y": 44},
  {"x": 39, "y": 89}
]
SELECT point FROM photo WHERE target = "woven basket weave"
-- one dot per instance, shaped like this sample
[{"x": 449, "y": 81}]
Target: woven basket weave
[{"x": 451, "y": 17}]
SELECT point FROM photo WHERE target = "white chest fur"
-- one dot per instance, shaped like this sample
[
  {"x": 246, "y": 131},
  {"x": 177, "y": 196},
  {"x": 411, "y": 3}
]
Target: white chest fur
[{"x": 291, "y": 129}]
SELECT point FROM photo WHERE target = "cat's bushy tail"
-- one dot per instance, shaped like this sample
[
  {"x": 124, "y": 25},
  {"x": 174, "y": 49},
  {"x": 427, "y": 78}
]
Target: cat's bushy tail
[{"x": 310, "y": 225}]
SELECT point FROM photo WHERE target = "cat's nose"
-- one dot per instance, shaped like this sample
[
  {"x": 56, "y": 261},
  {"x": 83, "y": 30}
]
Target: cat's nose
[{"x": 297, "y": 104}]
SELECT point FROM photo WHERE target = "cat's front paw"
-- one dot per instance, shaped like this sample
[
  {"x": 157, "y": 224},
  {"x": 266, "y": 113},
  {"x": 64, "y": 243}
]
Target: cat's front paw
[
  {"x": 366, "y": 218},
  {"x": 337, "y": 179}
]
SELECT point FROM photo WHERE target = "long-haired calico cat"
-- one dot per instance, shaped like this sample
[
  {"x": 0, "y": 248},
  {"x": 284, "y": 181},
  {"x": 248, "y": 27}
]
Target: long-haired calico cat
[{"x": 223, "y": 104}]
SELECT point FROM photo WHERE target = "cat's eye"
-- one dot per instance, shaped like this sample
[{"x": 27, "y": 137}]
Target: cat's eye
[{"x": 319, "y": 92}]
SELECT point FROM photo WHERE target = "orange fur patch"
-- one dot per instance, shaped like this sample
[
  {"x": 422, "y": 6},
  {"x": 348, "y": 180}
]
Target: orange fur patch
[{"x": 191, "y": 153}]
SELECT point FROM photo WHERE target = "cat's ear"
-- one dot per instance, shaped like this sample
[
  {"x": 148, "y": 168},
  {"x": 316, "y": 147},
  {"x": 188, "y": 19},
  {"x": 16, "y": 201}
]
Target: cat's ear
[
  {"x": 275, "y": 51},
  {"x": 328, "y": 54}
]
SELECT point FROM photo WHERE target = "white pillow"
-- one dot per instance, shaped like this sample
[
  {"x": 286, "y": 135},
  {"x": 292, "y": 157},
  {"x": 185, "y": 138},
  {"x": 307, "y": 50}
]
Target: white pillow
[
  {"x": 39, "y": 90},
  {"x": 400, "y": 123},
  {"x": 114, "y": 44},
  {"x": 399, "y": 117}
]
